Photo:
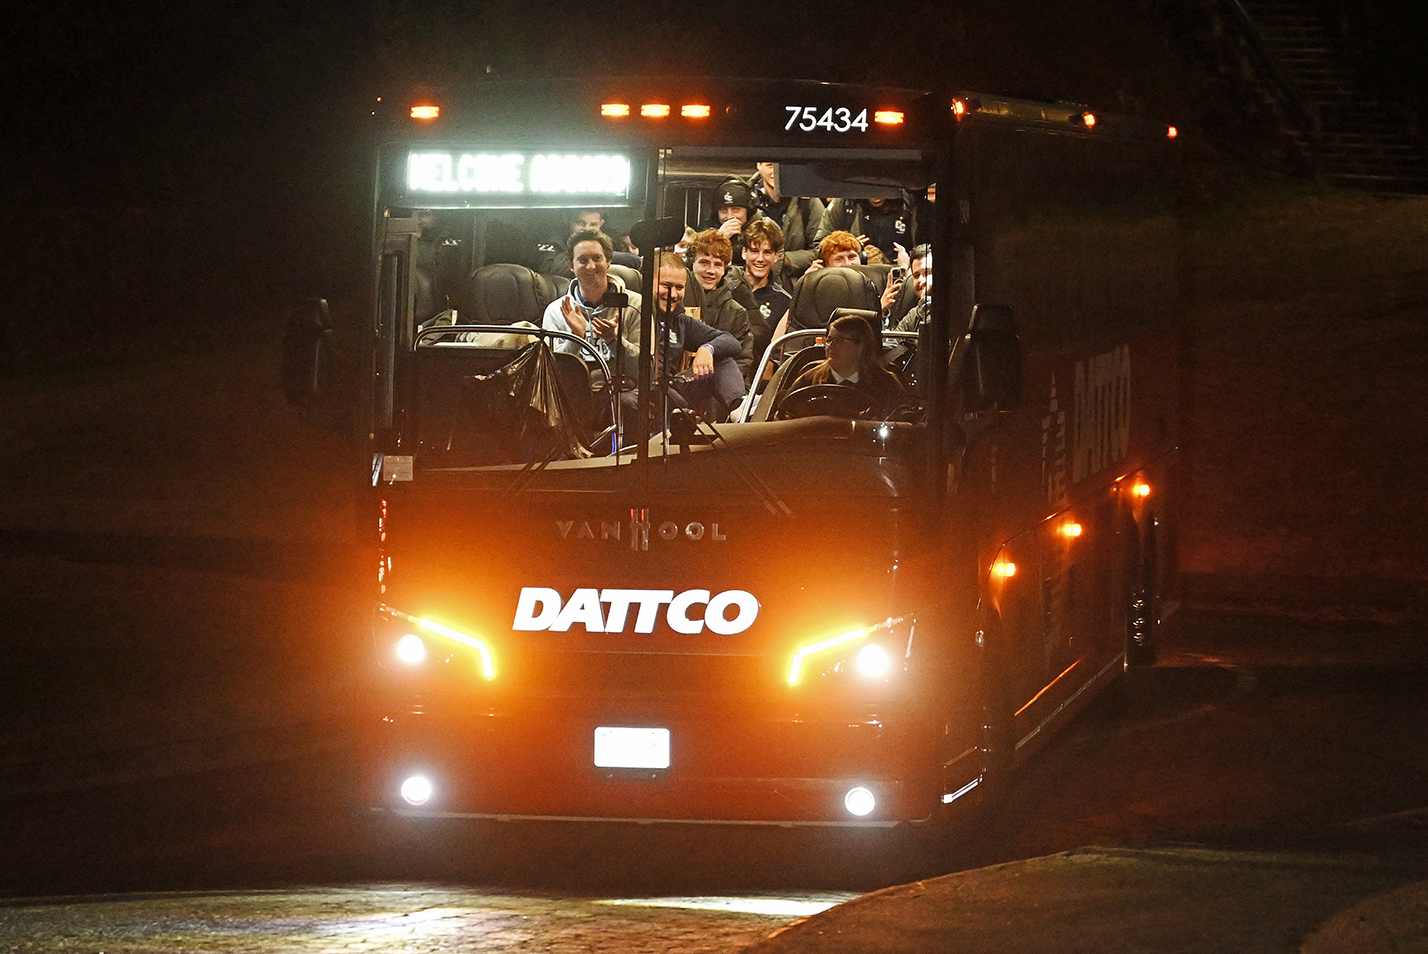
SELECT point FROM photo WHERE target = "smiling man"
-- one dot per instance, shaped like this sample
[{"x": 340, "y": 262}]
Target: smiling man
[
  {"x": 597, "y": 306},
  {"x": 709, "y": 255}
]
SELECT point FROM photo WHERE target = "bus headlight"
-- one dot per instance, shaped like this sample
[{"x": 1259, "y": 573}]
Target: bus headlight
[
  {"x": 869, "y": 652},
  {"x": 412, "y": 650},
  {"x": 872, "y": 661},
  {"x": 417, "y": 790}
]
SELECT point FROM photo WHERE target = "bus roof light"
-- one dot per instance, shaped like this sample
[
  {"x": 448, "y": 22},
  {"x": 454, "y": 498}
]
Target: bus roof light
[
  {"x": 615, "y": 110},
  {"x": 655, "y": 110},
  {"x": 694, "y": 111},
  {"x": 426, "y": 111},
  {"x": 888, "y": 117}
]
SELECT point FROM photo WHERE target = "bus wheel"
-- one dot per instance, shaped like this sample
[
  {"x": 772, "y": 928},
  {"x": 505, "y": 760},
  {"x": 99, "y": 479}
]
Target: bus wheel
[
  {"x": 1141, "y": 604},
  {"x": 997, "y": 745}
]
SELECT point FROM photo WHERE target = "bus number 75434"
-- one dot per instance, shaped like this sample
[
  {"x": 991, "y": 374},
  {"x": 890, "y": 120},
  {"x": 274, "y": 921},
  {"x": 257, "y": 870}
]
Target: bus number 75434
[{"x": 834, "y": 119}]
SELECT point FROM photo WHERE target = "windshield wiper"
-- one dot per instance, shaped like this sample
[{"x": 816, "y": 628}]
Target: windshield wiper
[{"x": 684, "y": 425}]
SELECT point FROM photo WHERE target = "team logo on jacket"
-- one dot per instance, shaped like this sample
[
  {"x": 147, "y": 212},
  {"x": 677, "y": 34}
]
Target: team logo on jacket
[{"x": 614, "y": 610}]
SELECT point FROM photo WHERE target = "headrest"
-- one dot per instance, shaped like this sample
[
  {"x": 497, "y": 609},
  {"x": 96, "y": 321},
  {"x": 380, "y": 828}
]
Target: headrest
[
  {"x": 630, "y": 276},
  {"x": 503, "y": 294},
  {"x": 821, "y": 291}
]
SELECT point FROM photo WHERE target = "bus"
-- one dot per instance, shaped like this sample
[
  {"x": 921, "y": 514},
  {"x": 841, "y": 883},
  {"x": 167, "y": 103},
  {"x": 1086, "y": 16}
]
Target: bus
[{"x": 811, "y": 615}]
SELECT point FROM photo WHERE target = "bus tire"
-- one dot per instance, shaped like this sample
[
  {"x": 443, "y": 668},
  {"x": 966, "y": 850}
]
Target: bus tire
[
  {"x": 997, "y": 745},
  {"x": 1142, "y": 604}
]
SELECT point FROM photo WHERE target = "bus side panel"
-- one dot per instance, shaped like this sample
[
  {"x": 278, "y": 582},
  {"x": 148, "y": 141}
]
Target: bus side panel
[{"x": 1075, "y": 233}]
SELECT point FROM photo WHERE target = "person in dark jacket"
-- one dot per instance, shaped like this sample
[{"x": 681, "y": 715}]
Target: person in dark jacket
[
  {"x": 798, "y": 217},
  {"x": 713, "y": 383},
  {"x": 719, "y": 294},
  {"x": 764, "y": 269},
  {"x": 733, "y": 208},
  {"x": 885, "y": 227}
]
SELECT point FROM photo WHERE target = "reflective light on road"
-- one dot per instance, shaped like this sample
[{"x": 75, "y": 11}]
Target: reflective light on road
[{"x": 773, "y": 907}]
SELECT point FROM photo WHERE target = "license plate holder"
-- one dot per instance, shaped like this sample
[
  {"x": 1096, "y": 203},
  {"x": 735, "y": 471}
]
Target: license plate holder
[{"x": 631, "y": 747}]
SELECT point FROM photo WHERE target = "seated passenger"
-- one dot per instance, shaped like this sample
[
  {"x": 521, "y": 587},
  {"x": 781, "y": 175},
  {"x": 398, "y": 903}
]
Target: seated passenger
[
  {"x": 798, "y": 217},
  {"x": 709, "y": 261},
  {"x": 554, "y": 253},
  {"x": 763, "y": 268},
  {"x": 922, "y": 284},
  {"x": 837, "y": 250},
  {"x": 714, "y": 383},
  {"x": 884, "y": 227},
  {"x": 733, "y": 206},
  {"x": 592, "y": 308},
  {"x": 853, "y": 360}
]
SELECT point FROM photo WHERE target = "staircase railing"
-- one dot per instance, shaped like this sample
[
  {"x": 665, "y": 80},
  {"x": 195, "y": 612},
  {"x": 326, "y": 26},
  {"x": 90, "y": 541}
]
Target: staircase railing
[{"x": 1304, "y": 117}]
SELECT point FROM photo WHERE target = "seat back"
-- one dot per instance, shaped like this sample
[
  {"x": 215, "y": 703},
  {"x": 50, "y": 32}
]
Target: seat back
[
  {"x": 820, "y": 292},
  {"x": 447, "y": 429},
  {"x": 784, "y": 377},
  {"x": 629, "y": 275},
  {"x": 503, "y": 294}
]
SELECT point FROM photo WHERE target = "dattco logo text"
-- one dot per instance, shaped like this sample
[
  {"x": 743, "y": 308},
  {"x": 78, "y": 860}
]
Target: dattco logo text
[{"x": 611, "y": 610}]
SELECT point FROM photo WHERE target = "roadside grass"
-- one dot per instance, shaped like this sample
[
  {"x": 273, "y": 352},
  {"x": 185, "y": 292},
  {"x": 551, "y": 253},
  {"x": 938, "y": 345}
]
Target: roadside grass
[{"x": 1307, "y": 426}]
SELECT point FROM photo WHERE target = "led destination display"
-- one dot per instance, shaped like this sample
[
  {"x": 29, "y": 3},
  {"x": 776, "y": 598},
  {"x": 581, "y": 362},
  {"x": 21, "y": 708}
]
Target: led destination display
[{"x": 517, "y": 178}]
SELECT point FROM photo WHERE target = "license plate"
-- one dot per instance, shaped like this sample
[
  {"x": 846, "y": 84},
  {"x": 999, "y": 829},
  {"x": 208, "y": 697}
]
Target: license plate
[{"x": 625, "y": 747}]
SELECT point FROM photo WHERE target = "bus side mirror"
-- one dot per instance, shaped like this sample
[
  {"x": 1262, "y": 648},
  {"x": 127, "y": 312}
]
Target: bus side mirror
[
  {"x": 992, "y": 373},
  {"x": 307, "y": 355},
  {"x": 650, "y": 234}
]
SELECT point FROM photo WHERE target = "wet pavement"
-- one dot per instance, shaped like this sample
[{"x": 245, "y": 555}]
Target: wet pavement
[{"x": 419, "y": 919}]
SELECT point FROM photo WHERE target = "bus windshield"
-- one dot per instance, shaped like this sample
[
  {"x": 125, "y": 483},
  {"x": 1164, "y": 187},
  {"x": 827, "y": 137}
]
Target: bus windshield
[{"x": 590, "y": 295}]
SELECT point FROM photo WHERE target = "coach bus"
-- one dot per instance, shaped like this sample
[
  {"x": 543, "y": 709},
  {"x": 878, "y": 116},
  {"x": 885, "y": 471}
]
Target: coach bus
[{"x": 813, "y": 616}]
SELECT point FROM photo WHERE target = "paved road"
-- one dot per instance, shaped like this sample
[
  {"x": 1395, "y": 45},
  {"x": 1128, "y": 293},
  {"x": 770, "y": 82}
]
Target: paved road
[{"x": 411, "y": 918}]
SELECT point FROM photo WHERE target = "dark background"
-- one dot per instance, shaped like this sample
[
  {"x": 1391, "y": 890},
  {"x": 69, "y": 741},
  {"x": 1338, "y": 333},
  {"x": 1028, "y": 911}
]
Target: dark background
[{"x": 171, "y": 170}]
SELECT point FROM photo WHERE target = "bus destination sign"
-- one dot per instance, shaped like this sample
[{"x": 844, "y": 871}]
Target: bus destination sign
[{"x": 510, "y": 178}]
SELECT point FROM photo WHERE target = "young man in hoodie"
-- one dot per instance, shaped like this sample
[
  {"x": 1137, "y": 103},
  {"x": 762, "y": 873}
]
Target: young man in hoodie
[
  {"x": 724, "y": 301},
  {"x": 597, "y": 307}
]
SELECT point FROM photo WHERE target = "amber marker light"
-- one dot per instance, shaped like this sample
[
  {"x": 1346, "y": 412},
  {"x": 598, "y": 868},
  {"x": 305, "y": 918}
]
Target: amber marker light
[
  {"x": 488, "y": 665},
  {"x": 694, "y": 111},
  {"x": 888, "y": 117},
  {"x": 655, "y": 110},
  {"x": 426, "y": 112},
  {"x": 615, "y": 110}
]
